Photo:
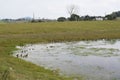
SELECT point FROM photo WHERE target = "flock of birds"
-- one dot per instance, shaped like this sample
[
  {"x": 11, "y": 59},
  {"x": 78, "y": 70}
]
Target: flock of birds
[{"x": 24, "y": 53}]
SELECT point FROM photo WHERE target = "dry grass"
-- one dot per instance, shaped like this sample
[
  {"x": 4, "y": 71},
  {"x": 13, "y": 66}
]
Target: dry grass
[{"x": 23, "y": 33}]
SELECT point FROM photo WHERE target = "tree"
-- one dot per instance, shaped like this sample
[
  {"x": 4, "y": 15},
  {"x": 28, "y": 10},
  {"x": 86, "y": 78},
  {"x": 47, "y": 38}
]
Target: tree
[
  {"x": 72, "y": 9},
  {"x": 118, "y": 14},
  {"x": 110, "y": 17},
  {"x": 87, "y": 17},
  {"x": 61, "y": 19},
  {"x": 74, "y": 17},
  {"x": 113, "y": 15}
]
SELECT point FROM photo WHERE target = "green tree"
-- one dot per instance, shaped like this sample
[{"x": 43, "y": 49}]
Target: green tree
[
  {"x": 110, "y": 17},
  {"x": 61, "y": 19},
  {"x": 74, "y": 17}
]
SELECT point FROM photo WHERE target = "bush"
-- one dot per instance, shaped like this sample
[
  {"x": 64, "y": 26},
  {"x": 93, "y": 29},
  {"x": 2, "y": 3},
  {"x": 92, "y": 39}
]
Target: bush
[{"x": 61, "y": 19}]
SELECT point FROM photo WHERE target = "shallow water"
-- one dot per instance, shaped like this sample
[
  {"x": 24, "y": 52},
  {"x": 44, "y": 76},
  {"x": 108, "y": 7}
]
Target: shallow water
[{"x": 95, "y": 60}]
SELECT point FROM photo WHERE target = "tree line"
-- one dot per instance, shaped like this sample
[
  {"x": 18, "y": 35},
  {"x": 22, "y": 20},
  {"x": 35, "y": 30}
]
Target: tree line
[
  {"x": 72, "y": 10},
  {"x": 113, "y": 15}
]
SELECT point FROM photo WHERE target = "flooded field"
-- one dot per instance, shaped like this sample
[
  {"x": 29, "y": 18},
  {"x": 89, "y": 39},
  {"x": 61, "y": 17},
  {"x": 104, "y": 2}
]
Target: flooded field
[{"x": 93, "y": 60}]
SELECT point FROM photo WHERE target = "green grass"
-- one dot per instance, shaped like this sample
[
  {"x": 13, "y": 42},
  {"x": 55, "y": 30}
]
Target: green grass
[{"x": 13, "y": 34}]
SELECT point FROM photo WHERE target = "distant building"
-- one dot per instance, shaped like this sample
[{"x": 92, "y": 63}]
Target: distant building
[
  {"x": 117, "y": 18},
  {"x": 99, "y": 18}
]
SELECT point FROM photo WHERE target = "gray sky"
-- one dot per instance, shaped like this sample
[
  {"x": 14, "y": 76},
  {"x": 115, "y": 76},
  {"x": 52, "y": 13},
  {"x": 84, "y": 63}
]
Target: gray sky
[{"x": 55, "y": 8}]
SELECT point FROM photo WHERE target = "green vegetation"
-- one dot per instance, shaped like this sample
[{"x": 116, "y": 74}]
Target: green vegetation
[
  {"x": 113, "y": 15},
  {"x": 61, "y": 19},
  {"x": 14, "y": 34}
]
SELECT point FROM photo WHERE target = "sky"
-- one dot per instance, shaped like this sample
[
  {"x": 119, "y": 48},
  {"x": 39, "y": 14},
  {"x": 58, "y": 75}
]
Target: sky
[{"x": 53, "y": 9}]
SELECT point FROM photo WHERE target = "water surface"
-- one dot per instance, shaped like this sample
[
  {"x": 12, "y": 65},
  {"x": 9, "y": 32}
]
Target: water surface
[{"x": 95, "y": 60}]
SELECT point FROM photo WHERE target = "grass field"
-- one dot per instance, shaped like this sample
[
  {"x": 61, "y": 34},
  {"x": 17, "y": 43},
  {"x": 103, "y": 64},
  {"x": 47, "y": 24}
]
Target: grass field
[{"x": 14, "y": 34}]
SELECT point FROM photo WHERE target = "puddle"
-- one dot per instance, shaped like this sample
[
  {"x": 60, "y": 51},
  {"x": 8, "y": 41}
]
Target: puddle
[{"x": 95, "y": 60}]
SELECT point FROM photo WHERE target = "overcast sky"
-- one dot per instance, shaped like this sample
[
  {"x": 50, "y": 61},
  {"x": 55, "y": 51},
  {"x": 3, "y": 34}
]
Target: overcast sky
[{"x": 55, "y": 8}]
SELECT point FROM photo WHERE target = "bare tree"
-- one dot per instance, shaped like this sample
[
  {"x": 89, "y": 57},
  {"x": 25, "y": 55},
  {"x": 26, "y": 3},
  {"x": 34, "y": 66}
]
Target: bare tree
[{"x": 72, "y": 9}]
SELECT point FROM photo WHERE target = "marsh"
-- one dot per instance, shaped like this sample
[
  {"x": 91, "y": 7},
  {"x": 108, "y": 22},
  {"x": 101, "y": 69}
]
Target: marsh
[{"x": 92, "y": 59}]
